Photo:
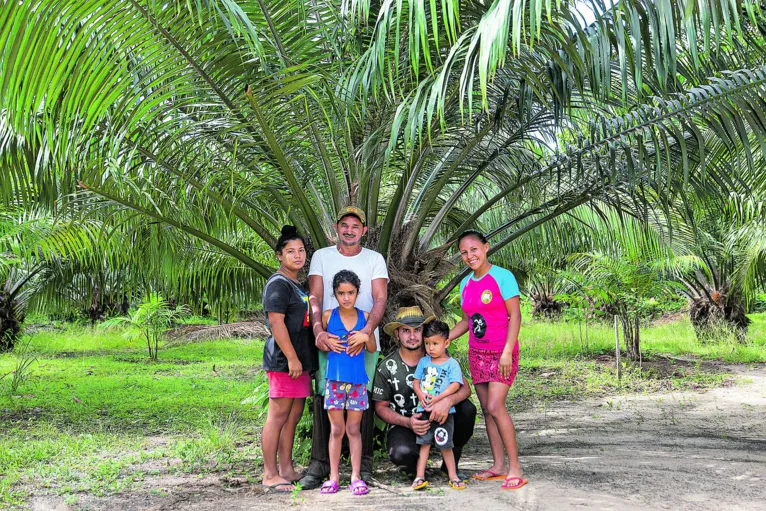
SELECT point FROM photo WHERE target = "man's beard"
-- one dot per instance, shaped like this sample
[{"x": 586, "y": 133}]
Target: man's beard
[
  {"x": 348, "y": 243},
  {"x": 412, "y": 349}
]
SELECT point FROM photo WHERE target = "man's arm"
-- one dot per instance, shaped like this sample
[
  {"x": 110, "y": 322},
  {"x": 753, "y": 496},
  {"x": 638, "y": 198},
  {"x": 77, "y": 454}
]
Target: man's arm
[
  {"x": 386, "y": 414},
  {"x": 440, "y": 410},
  {"x": 316, "y": 291},
  {"x": 323, "y": 340},
  {"x": 379, "y": 297},
  {"x": 449, "y": 391}
]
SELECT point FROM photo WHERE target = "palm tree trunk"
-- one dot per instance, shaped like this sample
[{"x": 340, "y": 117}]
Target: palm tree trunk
[
  {"x": 631, "y": 333},
  {"x": 10, "y": 323},
  {"x": 718, "y": 316}
]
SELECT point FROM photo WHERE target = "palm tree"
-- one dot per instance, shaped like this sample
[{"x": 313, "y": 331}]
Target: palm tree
[
  {"x": 149, "y": 321},
  {"x": 725, "y": 239},
  {"x": 224, "y": 119},
  {"x": 627, "y": 285},
  {"x": 34, "y": 252}
]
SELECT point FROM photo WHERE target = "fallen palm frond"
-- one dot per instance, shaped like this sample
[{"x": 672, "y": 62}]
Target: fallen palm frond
[{"x": 240, "y": 330}]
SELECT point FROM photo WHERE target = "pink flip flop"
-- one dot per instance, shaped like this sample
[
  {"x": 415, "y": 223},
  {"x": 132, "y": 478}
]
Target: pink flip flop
[
  {"x": 359, "y": 487},
  {"x": 329, "y": 487},
  {"x": 488, "y": 475},
  {"x": 519, "y": 482}
]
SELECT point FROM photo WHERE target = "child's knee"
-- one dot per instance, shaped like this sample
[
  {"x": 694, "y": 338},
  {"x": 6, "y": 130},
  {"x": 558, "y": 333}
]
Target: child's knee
[
  {"x": 337, "y": 431},
  {"x": 353, "y": 429}
]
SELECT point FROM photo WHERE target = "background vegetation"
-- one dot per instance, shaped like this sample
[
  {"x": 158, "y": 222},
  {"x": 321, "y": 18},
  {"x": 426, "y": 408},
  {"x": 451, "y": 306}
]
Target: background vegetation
[{"x": 613, "y": 152}]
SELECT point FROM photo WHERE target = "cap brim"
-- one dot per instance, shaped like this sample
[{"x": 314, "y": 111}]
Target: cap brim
[
  {"x": 412, "y": 322},
  {"x": 344, "y": 215}
]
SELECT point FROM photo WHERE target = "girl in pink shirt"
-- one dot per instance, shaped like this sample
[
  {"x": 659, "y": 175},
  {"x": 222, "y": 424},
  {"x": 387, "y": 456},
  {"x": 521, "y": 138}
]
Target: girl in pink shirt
[{"x": 489, "y": 297}]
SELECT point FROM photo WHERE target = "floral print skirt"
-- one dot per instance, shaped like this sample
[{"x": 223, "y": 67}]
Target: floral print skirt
[{"x": 485, "y": 365}]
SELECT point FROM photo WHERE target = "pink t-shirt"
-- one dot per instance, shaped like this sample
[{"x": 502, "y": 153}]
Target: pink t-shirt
[{"x": 483, "y": 301}]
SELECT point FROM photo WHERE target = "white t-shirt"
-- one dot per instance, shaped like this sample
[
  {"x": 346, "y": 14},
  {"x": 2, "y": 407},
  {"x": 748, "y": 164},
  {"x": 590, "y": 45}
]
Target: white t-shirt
[{"x": 367, "y": 264}]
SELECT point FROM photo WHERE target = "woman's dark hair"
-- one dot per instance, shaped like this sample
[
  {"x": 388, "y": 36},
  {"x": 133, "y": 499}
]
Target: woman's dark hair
[
  {"x": 471, "y": 233},
  {"x": 346, "y": 277},
  {"x": 433, "y": 328},
  {"x": 289, "y": 233}
]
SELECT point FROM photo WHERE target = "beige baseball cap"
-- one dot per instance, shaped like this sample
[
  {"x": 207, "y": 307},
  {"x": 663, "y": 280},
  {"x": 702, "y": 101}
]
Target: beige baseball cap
[{"x": 352, "y": 210}]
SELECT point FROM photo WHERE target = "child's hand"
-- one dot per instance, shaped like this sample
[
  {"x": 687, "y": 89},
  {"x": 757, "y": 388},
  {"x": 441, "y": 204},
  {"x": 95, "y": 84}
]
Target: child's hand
[{"x": 356, "y": 342}]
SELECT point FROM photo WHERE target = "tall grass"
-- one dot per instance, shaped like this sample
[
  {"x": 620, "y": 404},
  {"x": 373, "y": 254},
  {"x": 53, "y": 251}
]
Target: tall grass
[{"x": 544, "y": 341}]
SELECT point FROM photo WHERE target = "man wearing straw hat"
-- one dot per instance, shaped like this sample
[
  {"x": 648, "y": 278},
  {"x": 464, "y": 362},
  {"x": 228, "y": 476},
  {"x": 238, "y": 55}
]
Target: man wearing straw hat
[{"x": 395, "y": 399}]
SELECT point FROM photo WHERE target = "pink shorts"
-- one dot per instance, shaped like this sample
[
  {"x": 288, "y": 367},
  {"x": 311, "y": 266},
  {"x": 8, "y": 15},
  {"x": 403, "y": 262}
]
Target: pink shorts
[
  {"x": 485, "y": 365},
  {"x": 281, "y": 385}
]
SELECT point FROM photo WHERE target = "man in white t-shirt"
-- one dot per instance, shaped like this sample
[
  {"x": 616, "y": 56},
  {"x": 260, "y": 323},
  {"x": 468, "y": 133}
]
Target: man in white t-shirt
[{"x": 370, "y": 266}]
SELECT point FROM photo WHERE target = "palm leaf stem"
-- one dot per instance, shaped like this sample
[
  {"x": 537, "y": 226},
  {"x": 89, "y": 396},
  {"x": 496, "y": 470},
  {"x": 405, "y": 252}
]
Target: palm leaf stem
[
  {"x": 241, "y": 256},
  {"x": 274, "y": 33},
  {"x": 423, "y": 209},
  {"x": 585, "y": 197},
  {"x": 264, "y": 234},
  {"x": 194, "y": 64},
  {"x": 425, "y": 240},
  {"x": 315, "y": 229}
]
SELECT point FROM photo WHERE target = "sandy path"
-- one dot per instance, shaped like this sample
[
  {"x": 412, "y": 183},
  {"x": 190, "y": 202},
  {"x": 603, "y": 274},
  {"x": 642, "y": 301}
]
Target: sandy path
[{"x": 663, "y": 451}]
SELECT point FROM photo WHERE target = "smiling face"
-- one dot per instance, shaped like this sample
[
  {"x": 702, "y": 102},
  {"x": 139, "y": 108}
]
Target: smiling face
[
  {"x": 436, "y": 346},
  {"x": 473, "y": 252},
  {"x": 346, "y": 293},
  {"x": 293, "y": 255},
  {"x": 350, "y": 230},
  {"x": 411, "y": 337}
]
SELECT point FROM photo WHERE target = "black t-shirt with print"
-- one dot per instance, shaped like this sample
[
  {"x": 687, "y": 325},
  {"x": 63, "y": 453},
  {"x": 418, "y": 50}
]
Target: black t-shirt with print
[
  {"x": 393, "y": 383},
  {"x": 286, "y": 297}
]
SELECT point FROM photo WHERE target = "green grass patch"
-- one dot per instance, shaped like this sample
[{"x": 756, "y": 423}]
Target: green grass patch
[
  {"x": 109, "y": 384},
  {"x": 549, "y": 341},
  {"x": 578, "y": 379},
  {"x": 92, "y": 402},
  {"x": 64, "y": 461}
]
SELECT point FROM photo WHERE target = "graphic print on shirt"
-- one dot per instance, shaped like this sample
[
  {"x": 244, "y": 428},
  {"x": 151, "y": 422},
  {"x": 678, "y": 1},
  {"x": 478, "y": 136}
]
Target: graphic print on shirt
[
  {"x": 478, "y": 325},
  {"x": 486, "y": 296},
  {"x": 393, "y": 383},
  {"x": 306, "y": 318},
  {"x": 429, "y": 382}
]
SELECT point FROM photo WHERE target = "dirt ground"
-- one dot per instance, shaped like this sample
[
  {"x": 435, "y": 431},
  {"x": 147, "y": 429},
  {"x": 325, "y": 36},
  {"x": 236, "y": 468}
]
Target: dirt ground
[{"x": 689, "y": 450}]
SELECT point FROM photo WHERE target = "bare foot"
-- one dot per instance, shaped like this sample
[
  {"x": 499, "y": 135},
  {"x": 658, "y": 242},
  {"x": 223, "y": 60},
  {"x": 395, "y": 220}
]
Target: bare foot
[
  {"x": 291, "y": 475},
  {"x": 491, "y": 473},
  {"x": 279, "y": 484},
  {"x": 515, "y": 471}
]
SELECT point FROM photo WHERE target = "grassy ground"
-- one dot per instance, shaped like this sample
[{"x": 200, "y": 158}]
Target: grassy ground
[
  {"x": 94, "y": 416},
  {"x": 92, "y": 406}
]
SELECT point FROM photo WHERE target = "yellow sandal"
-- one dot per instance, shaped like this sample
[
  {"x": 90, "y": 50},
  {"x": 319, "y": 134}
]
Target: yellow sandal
[{"x": 419, "y": 483}]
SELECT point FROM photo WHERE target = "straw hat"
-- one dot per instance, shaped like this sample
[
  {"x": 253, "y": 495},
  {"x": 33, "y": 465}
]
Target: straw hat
[{"x": 408, "y": 316}]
